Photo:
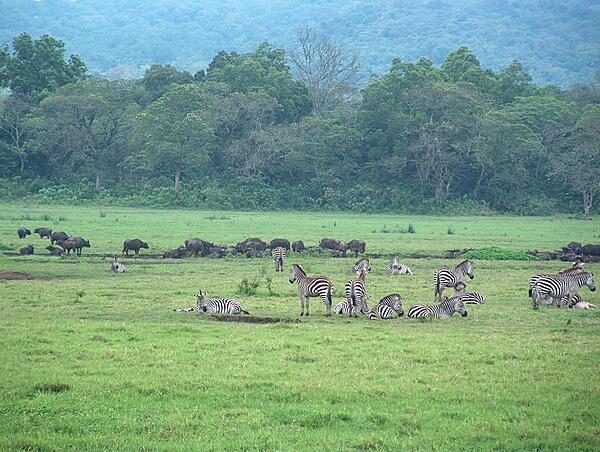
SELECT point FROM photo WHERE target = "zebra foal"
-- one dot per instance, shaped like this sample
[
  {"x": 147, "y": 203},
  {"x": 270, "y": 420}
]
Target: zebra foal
[
  {"x": 356, "y": 292},
  {"x": 387, "y": 308},
  {"x": 362, "y": 264},
  {"x": 319, "y": 286}
]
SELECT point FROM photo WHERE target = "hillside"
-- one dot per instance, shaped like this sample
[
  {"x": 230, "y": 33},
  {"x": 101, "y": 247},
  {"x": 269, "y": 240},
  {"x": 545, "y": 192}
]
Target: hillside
[{"x": 557, "y": 42}]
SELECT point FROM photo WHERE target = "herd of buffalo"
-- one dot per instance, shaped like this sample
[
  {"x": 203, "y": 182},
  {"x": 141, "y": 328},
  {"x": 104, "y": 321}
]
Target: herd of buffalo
[{"x": 62, "y": 243}]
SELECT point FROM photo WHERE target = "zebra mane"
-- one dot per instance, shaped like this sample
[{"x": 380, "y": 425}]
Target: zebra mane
[{"x": 297, "y": 266}]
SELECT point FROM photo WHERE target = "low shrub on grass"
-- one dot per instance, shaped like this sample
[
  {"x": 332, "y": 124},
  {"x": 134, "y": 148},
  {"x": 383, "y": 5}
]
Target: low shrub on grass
[{"x": 499, "y": 254}]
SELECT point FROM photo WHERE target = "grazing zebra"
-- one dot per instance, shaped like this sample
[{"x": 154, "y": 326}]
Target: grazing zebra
[
  {"x": 116, "y": 266},
  {"x": 217, "y": 305},
  {"x": 445, "y": 277},
  {"x": 388, "y": 307},
  {"x": 356, "y": 293},
  {"x": 398, "y": 268},
  {"x": 577, "y": 267},
  {"x": 345, "y": 307},
  {"x": 319, "y": 286},
  {"x": 445, "y": 309},
  {"x": 556, "y": 287},
  {"x": 362, "y": 264},
  {"x": 278, "y": 253}
]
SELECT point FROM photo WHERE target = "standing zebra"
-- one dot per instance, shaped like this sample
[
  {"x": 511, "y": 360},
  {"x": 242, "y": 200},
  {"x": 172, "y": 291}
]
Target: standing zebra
[
  {"x": 278, "y": 253},
  {"x": 445, "y": 309},
  {"x": 554, "y": 288},
  {"x": 319, "y": 286},
  {"x": 217, "y": 305},
  {"x": 445, "y": 277},
  {"x": 387, "y": 308},
  {"x": 360, "y": 265},
  {"x": 577, "y": 267},
  {"x": 356, "y": 293}
]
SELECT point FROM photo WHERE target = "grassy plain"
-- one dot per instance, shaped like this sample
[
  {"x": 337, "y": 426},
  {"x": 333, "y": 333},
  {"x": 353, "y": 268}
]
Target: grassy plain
[{"x": 94, "y": 360}]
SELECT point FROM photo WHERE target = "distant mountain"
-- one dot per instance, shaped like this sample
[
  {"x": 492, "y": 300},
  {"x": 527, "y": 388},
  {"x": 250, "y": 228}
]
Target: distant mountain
[{"x": 558, "y": 42}]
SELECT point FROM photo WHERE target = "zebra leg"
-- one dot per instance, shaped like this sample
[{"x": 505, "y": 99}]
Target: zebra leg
[
  {"x": 302, "y": 299},
  {"x": 328, "y": 303},
  {"x": 307, "y": 306}
]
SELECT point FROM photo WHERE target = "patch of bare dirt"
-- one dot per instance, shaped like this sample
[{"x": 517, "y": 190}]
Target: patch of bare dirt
[
  {"x": 15, "y": 275},
  {"x": 250, "y": 319}
]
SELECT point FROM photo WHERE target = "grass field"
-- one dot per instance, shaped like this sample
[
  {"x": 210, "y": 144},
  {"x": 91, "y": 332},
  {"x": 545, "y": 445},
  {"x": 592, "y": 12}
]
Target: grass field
[{"x": 93, "y": 360}]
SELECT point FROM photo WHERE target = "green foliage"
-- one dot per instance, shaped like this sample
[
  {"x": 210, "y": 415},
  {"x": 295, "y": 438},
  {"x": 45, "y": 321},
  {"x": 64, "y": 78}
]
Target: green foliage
[
  {"x": 498, "y": 254},
  {"x": 247, "y": 287}
]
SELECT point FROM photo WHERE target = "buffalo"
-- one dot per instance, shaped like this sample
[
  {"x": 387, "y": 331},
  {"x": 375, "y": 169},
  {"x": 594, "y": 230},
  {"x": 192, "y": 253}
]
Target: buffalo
[
  {"x": 135, "y": 245},
  {"x": 252, "y": 244},
  {"x": 358, "y": 246},
  {"x": 331, "y": 244},
  {"x": 55, "y": 250},
  {"x": 177, "y": 253},
  {"x": 57, "y": 237},
  {"x": 43, "y": 232},
  {"x": 74, "y": 243},
  {"x": 26, "y": 250},
  {"x": 22, "y": 232},
  {"x": 590, "y": 250},
  {"x": 197, "y": 247},
  {"x": 283, "y": 243},
  {"x": 298, "y": 246}
]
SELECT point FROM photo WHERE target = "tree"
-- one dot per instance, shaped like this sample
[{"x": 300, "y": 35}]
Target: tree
[
  {"x": 158, "y": 78},
  {"x": 14, "y": 128},
  {"x": 176, "y": 134},
  {"x": 85, "y": 123},
  {"x": 329, "y": 71},
  {"x": 578, "y": 166},
  {"x": 37, "y": 67}
]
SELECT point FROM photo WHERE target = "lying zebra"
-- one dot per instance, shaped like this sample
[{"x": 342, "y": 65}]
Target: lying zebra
[
  {"x": 398, "y": 268},
  {"x": 345, "y": 307},
  {"x": 214, "y": 305},
  {"x": 467, "y": 297},
  {"x": 116, "y": 266},
  {"x": 444, "y": 310},
  {"x": 388, "y": 307}
]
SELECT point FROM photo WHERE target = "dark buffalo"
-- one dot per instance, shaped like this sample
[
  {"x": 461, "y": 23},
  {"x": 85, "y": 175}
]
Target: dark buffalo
[
  {"x": 55, "y": 250},
  {"x": 26, "y": 250},
  {"x": 298, "y": 246},
  {"x": 198, "y": 247},
  {"x": 135, "y": 245},
  {"x": 75, "y": 244},
  {"x": 22, "y": 232},
  {"x": 57, "y": 237},
  {"x": 358, "y": 246},
  {"x": 590, "y": 250},
  {"x": 43, "y": 232},
  {"x": 331, "y": 244},
  {"x": 283, "y": 243},
  {"x": 252, "y": 244},
  {"x": 178, "y": 253},
  {"x": 573, "y": 247}
]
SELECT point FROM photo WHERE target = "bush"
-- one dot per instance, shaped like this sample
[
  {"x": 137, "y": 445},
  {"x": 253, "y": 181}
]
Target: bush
[{"x": 494, "y": 253}]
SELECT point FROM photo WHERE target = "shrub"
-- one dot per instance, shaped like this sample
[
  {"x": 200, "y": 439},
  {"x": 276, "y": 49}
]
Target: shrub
[{"x": 498, "y": 254}]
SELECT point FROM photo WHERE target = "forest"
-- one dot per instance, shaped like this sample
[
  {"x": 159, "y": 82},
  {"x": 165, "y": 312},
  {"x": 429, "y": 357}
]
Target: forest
[{"x": 275, "y": 129}]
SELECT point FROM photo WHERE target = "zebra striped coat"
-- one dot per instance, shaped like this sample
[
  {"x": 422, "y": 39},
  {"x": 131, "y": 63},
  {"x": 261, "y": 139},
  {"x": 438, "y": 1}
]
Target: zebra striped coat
[
  {"x": 387, "y": 308},
  {"x": 446, "y": 277},
  {"x": 345, "y": 307},
  {"x": 217, "y": 305},
  {"x": 554, "y": 288},
  {"x": 278, "y": 253},
  {"x": 116, "y": 266},
  {"x": 398, "y": 268},
  {"x": 355, "y": 292},
  {"x": 467, "y": 297},
  {"x": 576, "y": 268},
  {"x": 319, "y": 286},
  {"x": 445, "y": 309},
  {"x": 361, "y": 265}
]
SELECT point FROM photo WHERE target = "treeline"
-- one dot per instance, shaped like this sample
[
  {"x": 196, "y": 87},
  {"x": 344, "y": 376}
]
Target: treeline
[{"x": 245, "y": 134}]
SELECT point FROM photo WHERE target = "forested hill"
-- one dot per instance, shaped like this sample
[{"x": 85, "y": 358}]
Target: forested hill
[{"x": 556, "y": 41}]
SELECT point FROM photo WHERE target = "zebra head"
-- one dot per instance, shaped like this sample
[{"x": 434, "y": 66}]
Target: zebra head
[
  {"x": 297, "y": 272},
  {"x": 467, "y": 268},
  {"x": 397, "y": 304},
  {"x": 201, "y": 301},
  {"x": 362, "y": 265},
  {"x": 458, "y": 305},
  {"x": 589, "y": 281}
]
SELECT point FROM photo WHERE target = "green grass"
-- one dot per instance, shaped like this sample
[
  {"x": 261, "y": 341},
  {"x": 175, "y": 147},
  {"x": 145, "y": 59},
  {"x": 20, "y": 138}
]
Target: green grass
[{"x": 94, "y": 360}]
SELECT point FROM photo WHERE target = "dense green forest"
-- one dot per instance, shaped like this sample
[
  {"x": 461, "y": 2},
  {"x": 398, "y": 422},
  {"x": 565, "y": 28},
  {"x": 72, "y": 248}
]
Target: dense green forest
[
  {"x": 245, "y": 133},
  {"x": 557, "y": 42}
]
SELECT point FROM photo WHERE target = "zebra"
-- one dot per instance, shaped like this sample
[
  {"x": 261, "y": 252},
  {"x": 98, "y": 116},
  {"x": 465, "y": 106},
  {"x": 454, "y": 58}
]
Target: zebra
[
  {"x": 577, "y": 267},
  {"x": 445, "y": 277},
  {"x": 217, "y": 305},
  {"x": 558, "y": 286},
  {"x": 116, "y": 266},
  {"x": 278, "y": 253},
  {"x": 360, "y": 265},
  {"x": 345, "y": 307},
  {"x": 319, "y": 286},
  {"x": 467, "y": 297},
  {"x": 356, "y": 293},
  {"x": 388, "y": 307},
  {"x": 398, "y": 268},
  {"x": 445, "y": 309}
]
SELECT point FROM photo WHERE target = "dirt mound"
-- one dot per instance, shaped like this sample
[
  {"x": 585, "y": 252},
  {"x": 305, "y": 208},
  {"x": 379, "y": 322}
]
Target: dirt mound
[
  {"x": 14, "y": 275},
  {"x": 250, "y": 319}
]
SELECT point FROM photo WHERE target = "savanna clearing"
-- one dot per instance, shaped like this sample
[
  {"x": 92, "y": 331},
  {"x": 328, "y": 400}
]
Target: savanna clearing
[{"x": 96, "y": 360}]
